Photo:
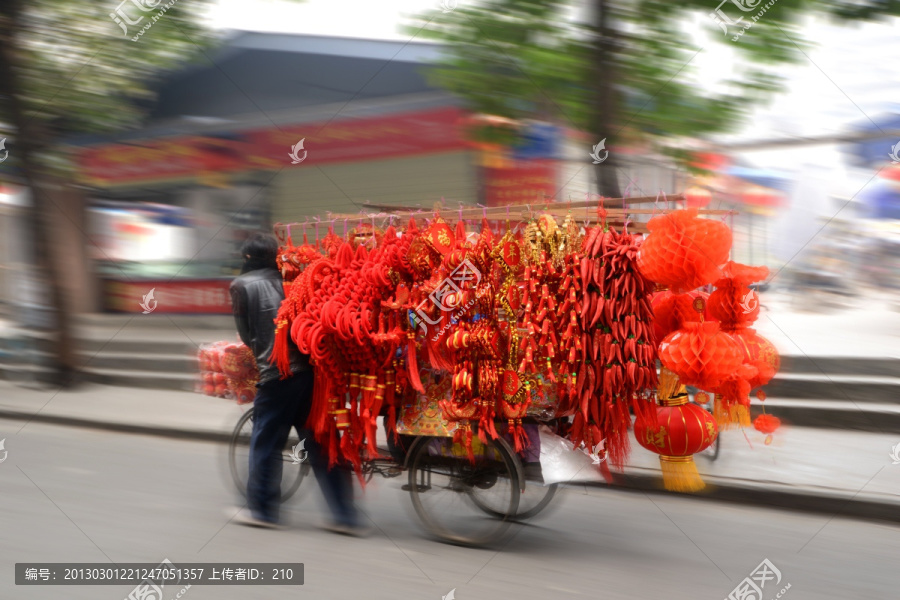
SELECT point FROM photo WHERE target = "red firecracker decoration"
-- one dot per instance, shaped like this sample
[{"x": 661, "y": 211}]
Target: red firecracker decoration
[{"x": 619, "y": 370}]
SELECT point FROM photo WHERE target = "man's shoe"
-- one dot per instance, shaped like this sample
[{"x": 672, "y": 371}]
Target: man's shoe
[
  {"x": 245, "y": 517},
  {"x": 359, "y": 531}
]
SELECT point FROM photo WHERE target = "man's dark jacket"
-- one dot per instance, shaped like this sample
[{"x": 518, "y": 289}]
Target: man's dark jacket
[{"x": 255, "y": 299}]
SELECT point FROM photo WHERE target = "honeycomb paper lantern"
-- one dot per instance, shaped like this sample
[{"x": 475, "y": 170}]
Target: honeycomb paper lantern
[
  {"x": 760, "y": 353},
  {"x": 682, "y": 251},
  {"x": 701, "y": 354},
  {"x": 672, "y": 311}
]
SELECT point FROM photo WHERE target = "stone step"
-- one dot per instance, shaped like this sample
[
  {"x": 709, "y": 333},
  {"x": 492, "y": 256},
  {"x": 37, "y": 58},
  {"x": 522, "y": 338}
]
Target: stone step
[
  {"x": 153, "y": 320},
  {"x": 833, "y": 414},
  {"x": 132, "y": 344},
  {"x": 142, "y": 379},
  {"x": 840, "y": 365},
  {"x": 854, "y": 388},
  {"x": 142, "y": 361}
]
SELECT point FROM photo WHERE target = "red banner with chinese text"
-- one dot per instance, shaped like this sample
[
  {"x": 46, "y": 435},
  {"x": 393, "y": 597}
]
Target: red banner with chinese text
[
  {"x": 524, "y": 182},
  {"x": 409, "y": 133},
  {"x": 193, "y": 296}
]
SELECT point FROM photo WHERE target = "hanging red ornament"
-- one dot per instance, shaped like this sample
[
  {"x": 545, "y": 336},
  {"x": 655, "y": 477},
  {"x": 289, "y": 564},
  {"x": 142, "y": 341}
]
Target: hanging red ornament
[
  {"x": 734, "y": 303},
  {"x": 767, "y": 424},
  {"x": 700, "y": 354},
  {"x": 671, "y": 311},
  {"x": 683, "y": 251},
  {"x": 680, "y": 430},
  {"x": 760, "y": 353}
]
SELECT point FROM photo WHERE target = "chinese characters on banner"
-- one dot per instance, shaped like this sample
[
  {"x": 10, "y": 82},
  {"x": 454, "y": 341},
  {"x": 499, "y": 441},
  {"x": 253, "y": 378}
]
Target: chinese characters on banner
[
  {"x": 205, "y": 296},
  {"x": 522, "y": 182},
  {"x": 411, "y": 133}
]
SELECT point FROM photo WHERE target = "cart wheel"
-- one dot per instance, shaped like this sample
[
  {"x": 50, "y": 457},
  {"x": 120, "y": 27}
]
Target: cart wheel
[
  {"x": 239, "y": 459},
  {"x": 448, "y": 492},
  {"x": 533, "y": 500}
]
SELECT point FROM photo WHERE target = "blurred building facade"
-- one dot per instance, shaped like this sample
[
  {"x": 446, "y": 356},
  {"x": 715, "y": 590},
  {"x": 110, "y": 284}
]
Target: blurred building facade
[{"x": 293, "y": 128}]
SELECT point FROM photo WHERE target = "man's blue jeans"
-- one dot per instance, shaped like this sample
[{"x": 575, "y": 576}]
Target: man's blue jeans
[{"x": 278, "y": 406}]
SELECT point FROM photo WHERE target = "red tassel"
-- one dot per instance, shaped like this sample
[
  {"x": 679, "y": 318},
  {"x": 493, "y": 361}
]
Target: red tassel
[
  {"x": 413, "y": 366},
  {"x": 319, "y": 410},
  {"x": 371, "y": 424},
  {"x": 333, "y": 448},
  {"x": 520, "y": 437},
  {"x": 604, "y": 470},
  {"x": 618, "y": 447},
  {"x": 281, "y": 357},
  {"x": 351, "y": 453},
  {"x": 392, "y": 423}
]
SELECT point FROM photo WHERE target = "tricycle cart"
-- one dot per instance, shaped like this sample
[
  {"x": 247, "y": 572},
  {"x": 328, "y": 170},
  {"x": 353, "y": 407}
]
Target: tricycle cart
[{"x": 464, "y": 336}]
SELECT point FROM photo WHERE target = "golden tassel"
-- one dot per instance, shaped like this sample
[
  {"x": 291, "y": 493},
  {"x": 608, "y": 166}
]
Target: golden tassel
[
  {"x": 669, "y": 385},
  {"x": 729, "y": 417},
  {"x": 680, "y": 474}
]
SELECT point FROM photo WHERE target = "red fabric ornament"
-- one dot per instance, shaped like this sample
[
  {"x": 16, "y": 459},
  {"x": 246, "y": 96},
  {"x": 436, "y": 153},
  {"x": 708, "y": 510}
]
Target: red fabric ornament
[
  {"x": 237, "y": 362},
  {"x": 734, "y": 304},
  {"x": 735, "y": 389},
  {"x": 700, "y": 354},
  {"x": 684, "y": 252},
  {"x": 766, "y": 423},
  {"x": 244, "y": 393}
]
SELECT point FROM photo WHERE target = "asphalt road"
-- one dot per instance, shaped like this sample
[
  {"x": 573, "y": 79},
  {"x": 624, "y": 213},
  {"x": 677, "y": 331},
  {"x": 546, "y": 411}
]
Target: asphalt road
[{"x": 74, "y": 495}]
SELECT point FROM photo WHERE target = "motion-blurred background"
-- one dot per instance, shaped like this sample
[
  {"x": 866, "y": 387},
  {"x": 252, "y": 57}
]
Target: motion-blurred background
[
  {"x": 143, "y": 141},
  {"x": 139, "y": 158}
]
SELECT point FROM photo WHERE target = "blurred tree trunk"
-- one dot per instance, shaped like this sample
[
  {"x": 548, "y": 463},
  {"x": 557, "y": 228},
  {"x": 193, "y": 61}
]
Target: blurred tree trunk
[
  {"x": 604, "y": 98},
  {"x": 29, "y": 141}
]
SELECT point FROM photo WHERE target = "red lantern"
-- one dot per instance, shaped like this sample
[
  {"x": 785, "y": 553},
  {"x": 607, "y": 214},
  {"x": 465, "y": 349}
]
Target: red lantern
[
  {"x": 760, "y": 353},
  {"x": 681, "y": 430},
  {"x": 683, "y": 251},
  {"x": 701, "y": 354},
  {"x": 672, "y": 311}
]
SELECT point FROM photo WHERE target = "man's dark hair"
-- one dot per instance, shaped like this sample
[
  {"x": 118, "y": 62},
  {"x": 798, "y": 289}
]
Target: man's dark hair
[{"x": 259, "y": 252}]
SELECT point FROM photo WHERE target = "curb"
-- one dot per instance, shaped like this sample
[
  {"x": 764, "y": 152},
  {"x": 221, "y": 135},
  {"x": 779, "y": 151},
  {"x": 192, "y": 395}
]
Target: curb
[
  {"x": 782, "y": 499},
  {"x": 156, "y": 431}
]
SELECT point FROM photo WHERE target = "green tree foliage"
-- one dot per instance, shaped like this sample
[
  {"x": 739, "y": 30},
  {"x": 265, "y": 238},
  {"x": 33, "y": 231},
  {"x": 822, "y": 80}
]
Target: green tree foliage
[
  {"x": 67, "y": 68},
  {"x": 75, "y": 70},
  {"x": 622, "y": 69}
]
